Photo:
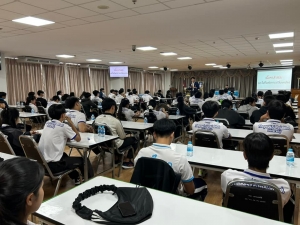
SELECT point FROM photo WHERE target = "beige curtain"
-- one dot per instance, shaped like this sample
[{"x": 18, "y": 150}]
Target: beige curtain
[
  {"x": 135, "y": 80},
  {"x": 55, "y": 80},
  {"x": 21, "y": 79},
  {"x": 153, "y": 82},
  {"x": 79, "y": 80},
  {"x": 99, "y": 79}
]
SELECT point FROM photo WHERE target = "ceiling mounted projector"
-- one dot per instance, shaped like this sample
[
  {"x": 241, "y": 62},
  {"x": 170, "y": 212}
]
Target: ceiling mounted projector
[
  {"x": 190, "y": 67},
  {"x": 228, "y": 65},
  {"x": 165, "y": 68},
  {"x": 261, "y": 64}
]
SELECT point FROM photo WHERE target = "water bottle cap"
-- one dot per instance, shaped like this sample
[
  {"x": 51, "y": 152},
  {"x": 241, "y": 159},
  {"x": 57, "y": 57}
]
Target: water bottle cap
[
  {"x": 189, "y": 142},
  {"x": 290, "y": 149}
]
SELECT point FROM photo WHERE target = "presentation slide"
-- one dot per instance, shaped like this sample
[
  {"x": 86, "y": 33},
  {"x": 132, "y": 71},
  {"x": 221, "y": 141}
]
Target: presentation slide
[
  {"x": 118, "y": 71},
  {"x": 274, "y": 80}
]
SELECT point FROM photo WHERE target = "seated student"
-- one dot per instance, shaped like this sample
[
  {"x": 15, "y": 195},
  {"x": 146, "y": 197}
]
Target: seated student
[
  {"x": 178, "y": 94},
  {"x": 131, "y": 98},
  {"x": 95, "y": 98},
  {"x": 109, "y": 108},
  {"x": 185, "y": 110},
  {"x": 77, "y": 117},
  {"x": 82, "y": 95},
  {"x": 31, "y": 101},
  {"x": 3, "y": 97},
  {"x": 120, "y": 96},
  {"x": 259, "y": 151},
  {"x": 249, "y": 106},
  {"x": 260, "y": 99},
  {"x": 196, "y": 99},
  {"x": 168, "y": 95},
  {"x": 226, "y": 112},
  {"x": 147, "y": 97},
  {"x": 205, "y": 96},
  {"x": 21, "y": 192},
  {"x": 53, "y": 142},
  {"x": 41, "y": 99},
  {"x": 127, "y": 93},
  {"x": 72, "y": 94},
  {"x": 159, "y": 93},
  {"x": 273, "y": 124},
  {"x": 10, "y": 120},
  {"x": 63, "y": 98},
  {"x": 212, "y": 98},
  {"x": 111, "y": 94},
  {"x": 2, "y": 105},
  {"x": 226, "y": 95},
  {"x": 164, "y": 134},
  {"x": 126, "y": 111},
  {"x": 31, "y": 93},
  {"x": 159, "y": 113},
  {"x": 88, "y": 106},
  {"x": 289, "y": 112},
  {"x": 221, "y": 95},
  {"x": 255, "y": 117},
  {"x": 55, "y": 100},
  {"x": 268, "y": 92},
  {"x": 135, "y": 95},
  {"x": 102, "y": 94},
  {"x": 59, "y": 94},
  {"x": 210, "y": 110}
]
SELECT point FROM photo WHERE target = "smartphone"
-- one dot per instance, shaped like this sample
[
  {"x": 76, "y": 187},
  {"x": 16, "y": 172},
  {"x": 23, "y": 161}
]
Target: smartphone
[{"x": 126, "y": 209}]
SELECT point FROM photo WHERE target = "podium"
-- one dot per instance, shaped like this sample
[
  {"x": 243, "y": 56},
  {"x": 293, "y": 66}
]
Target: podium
[{"x": 173, "y": 91}]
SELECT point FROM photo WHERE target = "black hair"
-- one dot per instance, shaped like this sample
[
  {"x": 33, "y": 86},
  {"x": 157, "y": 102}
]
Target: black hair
[
  {"x": 87, "y": 94},
  {"x": 107, "y": 103},
  {"x": 128, "y": 90},
  {"x": 159, "y": 91},
  {"x": 211, "y": 94},
  {"x": 268, "y": 99},
  {"x": 116, "y": 91},
  {"x": 205, "y": 95},
  {"x": 260, "y": 93},
  {"x": 226, "y": 103},
  {"x": 58, "y": 93},
  {"x": 95, "y": 93},
  {"x": 130, "y": 93},
  {"x": 70, "y": 102},
  {"x": 281, "y": 98},
  {"x": 31, "y": 93},
  {"x": 287, "y": 96},
  {"x": 276, "y": 109},
  {"x": 178, "y": 94},
  {"x": 210, "y": 108},
  {"x": 164, "y": 127},
  {"x": 221, "y": 92},
  {"x": 123, "y": 104},
  {"x": 152, "y": 103},
  {"x": 112, "y": 90},
  {"x": 29, "y": 99},
  {"x": 225, "y": 90},
  {"x": 121, "y": 91},
  {"x": 64, "y": 97},
  {"x": 72, "y": 94},
  {"x": 134, "y": 92},
  {"x": 19, "y": 178},
  {"x": 56, "y": 110},
  {"x": 192, "y": 77},
  {"x": 268, "y": 92},
  {"x": 9, "y": 116},
  {"x": 180, "y": 104},
  {"x": 40, "y": 92},
  {"x": 259, "y": 150},
  {"x": 55, "y": 98},
  {"x": 249, "y": 100},
  {"x": 2, "y": 94},
  {"x": 101, "y": 89},
  {"x": 147, "y": 92},
  {"x": 198, "y": 94},
  {"x": 82, "y": 94}
]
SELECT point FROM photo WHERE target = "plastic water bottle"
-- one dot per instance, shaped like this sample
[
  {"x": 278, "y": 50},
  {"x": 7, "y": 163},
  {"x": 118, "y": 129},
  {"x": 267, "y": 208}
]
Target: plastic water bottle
[
  {"x": 99, "y": 104},
  {"x": 102, "y": 134},
  {"x": 189, "y": 149},
  {"x": 145, "y": 120},
  {"x": 93, "y": 117},
  {"x": 32, "y": 111},
  {"x": 290, "y": 157},
  {"x": 99, "y": 130},
  {"x": 217, "y": 121},
  {"x": 177, "y": 112}
]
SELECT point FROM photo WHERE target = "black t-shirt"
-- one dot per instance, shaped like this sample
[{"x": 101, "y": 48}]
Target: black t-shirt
[{"x": 42, "y": 101}]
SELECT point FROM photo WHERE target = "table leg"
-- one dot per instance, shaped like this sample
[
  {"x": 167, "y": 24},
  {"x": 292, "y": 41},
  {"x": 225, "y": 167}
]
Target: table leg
[
  {"x": 85, "y": 164},
  {"x": 182, "y": 130},
  {"x": 297, "y": 202}
]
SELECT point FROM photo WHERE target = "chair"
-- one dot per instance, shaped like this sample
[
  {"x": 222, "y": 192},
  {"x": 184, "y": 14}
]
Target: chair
[
  {"x": 5, "y": 146},
  {"x": 224, "y": 121},
  {"x": 205, "y": 138},
  {"x": 256, "y": 197},
  {"x": 27, "y": 108},
  {"x": 156, "y": 174},
  {"x": 245, "y": 115},
  {"x": 281, "y": 144},
  {"x": 42, "y": 110},
  {"x": 172, "y": 110},
  {"x": 31, "y": 151},
  {"x": 196, "y": 107},
  {"x": 258, "y": 105},
  {"x": 151, "y": 117}
]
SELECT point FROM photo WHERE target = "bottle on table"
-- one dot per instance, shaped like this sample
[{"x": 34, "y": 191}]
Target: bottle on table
[
  {"x": 177, "y": 112},
  {"x": 102, "y": 133},
  {"x": 32, "y": 111},
  {"x": 290, "y": 157},
  {"x": 99, "y": 130},
  {"x": 189, "y": 149},
  {"x": 92, "y": 117},
  {"x": 145, "y": 120},
  {"x": 100, "y": 104}
]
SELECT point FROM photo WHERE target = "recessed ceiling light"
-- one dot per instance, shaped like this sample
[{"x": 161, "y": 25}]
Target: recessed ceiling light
[
  {"x": 164, "y": 69},
  {"x": 287, "y": 63},
  {"x": 283, "y": 45},
  {"x": 94, "y": 60},
  {"x": 174, "y": 70},
  {"x": 115, "y": 62},
  {"x": 153, "y": 67},
  {"x": 65, "y": 56},
  {"x": 284, "y": 51},
  {"x": 103, "y": 7},
  {"x": 217, "y": 66},
  {"x": 184, "y": 58},
  {"x": 210, "y": 64},
  {"x": 168, "y": 53},
  {"x": 146, "y": 48},
  {"x": 33, "y": 21},
  {"x": 223, "y": 67},
  {"x": 281, "y": 35},
  {"x": 286, "y": 60}
]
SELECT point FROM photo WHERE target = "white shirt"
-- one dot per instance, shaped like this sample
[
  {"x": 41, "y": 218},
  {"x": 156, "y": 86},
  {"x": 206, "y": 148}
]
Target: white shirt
[
  {"x": 178, "y": 162},
  {"x": 115, "y": 126},
  {"x": 274, "y": 127},
  {"x": 132, "y": 98},
  {"x": 119, "y": 98},
  {"x": 196, "y": 101},
  {"x": 76, "y": 117},
  {"x": 111, "y": 95},
  {"x": 34, "y": 107},
  {"x": 147, "y": 98},
  {"x": 211, "y": 125},
  {"x": 260, "y": 101},
  {"x": 213, "y": 99},
  {"x": 54, "y": 138},
  {"x": 128, "y": 114},
  {"x": 174, "y": 102},
  {"x": 227, "y": 96},
  {"x": 282, "y": 184},
  {"x": 96, "y": 99},
  {"x": 159, "y": 114},
  {"x": 247, "y": 108}
]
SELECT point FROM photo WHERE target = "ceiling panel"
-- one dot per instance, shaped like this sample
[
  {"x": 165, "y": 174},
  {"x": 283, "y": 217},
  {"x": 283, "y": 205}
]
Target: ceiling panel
[
  {"x": 37, "y": 29},
  {"x": 113, "y": 7},
  {"x": 180, "y": 3},
  {"x": 75, "y": 22},
  {"x": 56, "y": 17},
  {"x": 97, "y": 18},
  {"x": 21, "y": 32},
  {"x": 123, "y": 13},
  {"x": 9, "y": 15},
  {"x": 15, "y": 25},
  {"x": 55, "y": 26},
  {"x": 3, "y": 2},
  {"x": 76, "y": 12},
  {"x": 6, "y": 29},
  {"x": 48, "y": 4},
  {"x": 22, "y": 8},
  {"x": 129, "y": 3},
  {"x": 77, "y": 2},
  {"x": 151, "y": 8}
]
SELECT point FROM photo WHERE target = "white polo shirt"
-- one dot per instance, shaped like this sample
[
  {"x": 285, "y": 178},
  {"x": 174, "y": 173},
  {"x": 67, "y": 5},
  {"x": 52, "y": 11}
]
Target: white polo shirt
[
  {"x": 147, "y": 98},
  {"x": 34, "y": 107},
  {"x": 128, "y": 114},
  {"x": 213, "y": 99},
  {"x": 196, "y": 101},
  {"x": 282, "y": 184},
  {"x": 111, "y": 95},
  {"x": 76, "y": 117},
  {"x": 159, "y": 114},
  {"x": 132, "y": 99},
  {"x": 119, "y": 98},
  {"x": 227, "y": 96},
  {"x": 260, "y": 101},
  {"x": 274, "y": 127},
  {"x": 54, "y": 138},
  {"x": 211, "y": 125},
  {"x": 178, "y": 162},
  {"x": 174, "y": 102}
]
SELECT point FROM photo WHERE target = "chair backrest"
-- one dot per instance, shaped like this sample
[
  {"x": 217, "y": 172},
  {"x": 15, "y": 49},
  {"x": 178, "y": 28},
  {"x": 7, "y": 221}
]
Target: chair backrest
[
  {"x": 27, "y": 108},
  {"x": 256, "y": 197},
  {"x": 156, "y": 174},
  {"x": 195, "y": 107},
  {"x": 206, "y": 138},
  {"x": 172, "y": 110},
  {"x": 32, "y": 152},
  {"x": 41, "y": 109},
  {"x": 281, "y": 144},
  {"x": 223, "y": 120},
  {"x": 258, "y": 105},
  {"x": 151, "y": 117},
  {"x": 108, "y": 144},
  {"x": 245, "y": 115},
  {"x": 5, "y": 146}
]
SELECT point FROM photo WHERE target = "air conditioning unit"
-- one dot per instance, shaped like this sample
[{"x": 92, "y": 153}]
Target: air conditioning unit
[
  {"x": 94, "y": 66},
  {"x": 135, "y": 69},
  {"x": 29, "y": 59}
]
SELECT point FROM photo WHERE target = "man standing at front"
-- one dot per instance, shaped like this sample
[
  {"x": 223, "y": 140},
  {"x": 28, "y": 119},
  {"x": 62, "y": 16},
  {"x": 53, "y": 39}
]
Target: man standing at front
[{"x": 194, "y": 86}]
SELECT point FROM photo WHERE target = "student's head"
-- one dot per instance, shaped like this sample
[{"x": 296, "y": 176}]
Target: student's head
[
  {"x": 72, "y": 94},
  {"x": 21, "y": 189},
  {"x": 147, "y": 92},
  {"x": 2, "y": 103},
  {"x": 115, "y": 92},
  {"x": 57, "y": 112},
  {"x": 260, "y": 94},
  {"x": 259, "y": 150},
  {"x": 10, "y": 116},
  {"x": 193, "y": 79},
  {"x": 210, "y": 109},
  {"x": 287, "y": 96},
  {"x": 109, "y": 106},
  {"x": 276, "y": 110},
  {"x": 159, "y": 91},
  {"x": 225, "y": 90},
  {"x": 55, "y": 98},
  {"x": 30, "y": 99},
  {"x": 112, "y": 91},
  {"x": 211, "y": 94},
  {"x": 178, "y": 94},
  {"x": 59, "y": 93},
  {"x": 31, "y": 93},
  {"x": 64, "y": 97},
  {"x": 226, "y": 104},
  {"x": 168, "y": 92},
  {"x": 205, "y": 96},
  {"x": 40, "y": 93},
  {"x": 96, "y": 93},
  {"x": 268, "y": 92},
  {"x": 134, "y": 92},
  {"x": 221, "y": 92},
  {"x": 153, "y": 104},
  {"x": 251, "y": 101},
  {"x": 281, "y": 98},
  {"x": 121, "y": 91},
  {"x": 164, "y": 129},
  {"x": 198, "y": 94},
  {"x": 124, "y": 104},
  {"x": 268, "y": 99},
  {"x": 226, "y": 86},
  {"x": 73, "y": 103},
  {"x": 130, "y": 93},
  {"x": 101, "y": 89},
  {"x": 128, "y": 90},
  {"x": 2, "y": 95},
  {"x": 87, "y": 95}
]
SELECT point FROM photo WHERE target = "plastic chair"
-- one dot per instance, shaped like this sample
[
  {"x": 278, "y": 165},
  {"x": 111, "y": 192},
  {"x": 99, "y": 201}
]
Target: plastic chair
[
  {"x": 172, "y": 110},
  {"x": 31, "y": 151},
  {"x": 151, "y": 117},
  {"x": 255, "y": 197},
  {"x": 281, "y": 144},
  {"x": 245, "y": 115},
  {"x": 206, "y": 138},
  {"x": 5, "y": 146},
  {"x": 223, "y": 120}
]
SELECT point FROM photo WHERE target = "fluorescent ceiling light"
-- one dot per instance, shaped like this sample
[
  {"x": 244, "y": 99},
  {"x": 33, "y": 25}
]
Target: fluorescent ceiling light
[
  {"x": 210, "y": 64},
  {"x": 146, "y": 48},
  {"x": 281, "y": 35},
  {"x": 223, "y": 67},
  {"x": 184, "y": 58},
  {"x": 286, "y": 60},
  {"x": 168, "y": 53},
  {"x": 286, "y": 63},
  {"x": 65, "y": 56},
  {"x": 94, "y": 60},
  {"x": 115, "y": 62},
  {"x": 153, "y": 67},
  {"x": 283, "y": 45},
  {"x": 284, "y": 51},
  {"x": 217, "y": 66},
  {"x": 33, "y": 21},
  {"x": 174, "y": 70}
]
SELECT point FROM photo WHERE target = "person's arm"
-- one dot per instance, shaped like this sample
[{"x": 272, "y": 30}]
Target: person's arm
[
  {"x": 166, "y": 113},
  {"x": 71, "y": 124},
  {"x": 264, "y": 117},
  {"x": 186, "y": 176},
  {"x": 189, "y": 187},
  {"x": 120, "y": 130}
]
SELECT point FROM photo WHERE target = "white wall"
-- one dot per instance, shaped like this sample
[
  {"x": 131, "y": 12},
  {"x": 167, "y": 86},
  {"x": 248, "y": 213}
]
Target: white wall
[
  {"x": 117, "y": 83},
  {"x": 3, "y": 86}
]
